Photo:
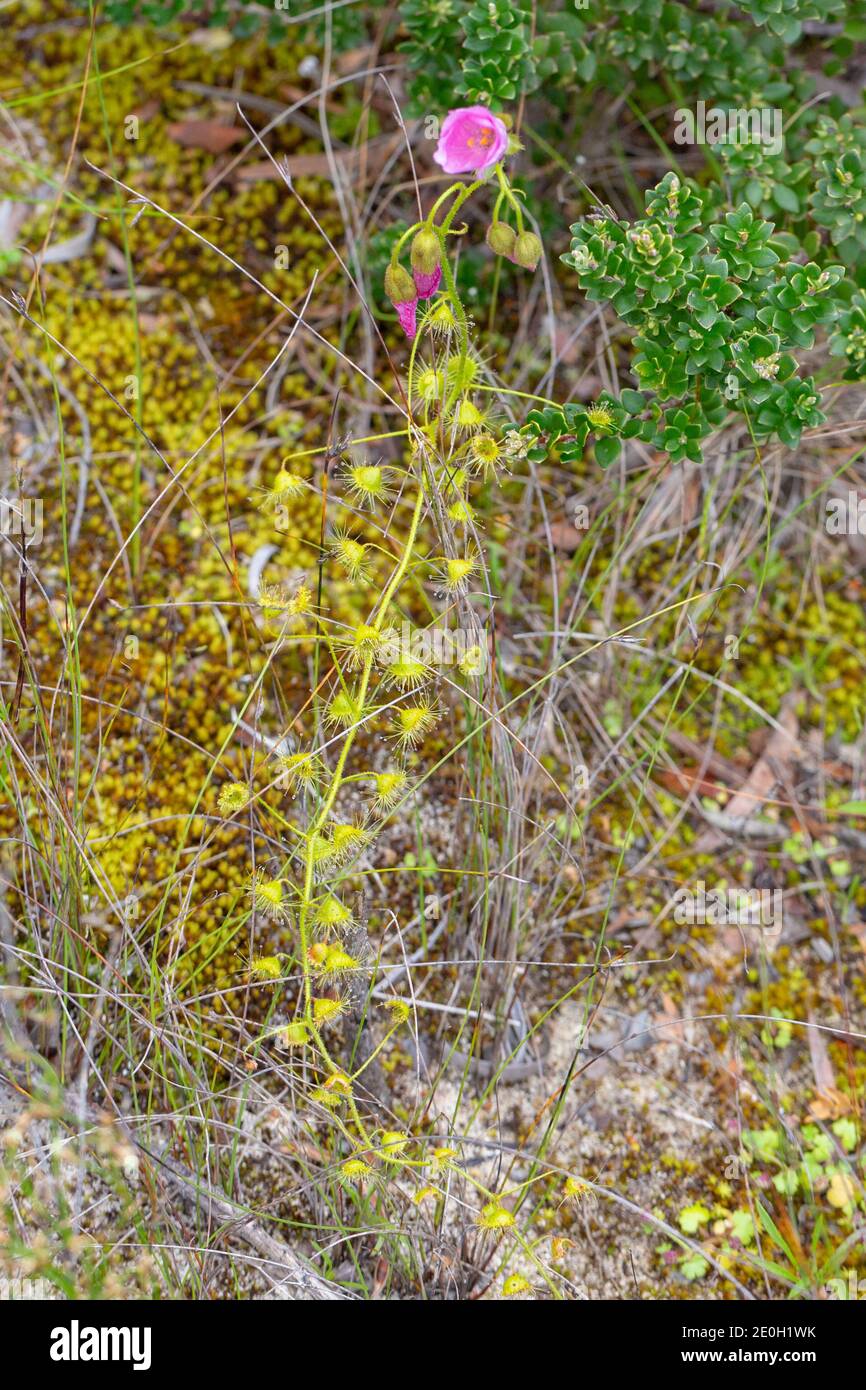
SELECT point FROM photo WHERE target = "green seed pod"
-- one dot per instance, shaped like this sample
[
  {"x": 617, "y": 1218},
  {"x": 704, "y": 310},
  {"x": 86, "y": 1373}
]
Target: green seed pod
[
  {"x": 527, "y": 250},
  {"x": 501, "y": 238},
  {"x": 399, "y": 285},
  {"x": 426, "y": 253}
]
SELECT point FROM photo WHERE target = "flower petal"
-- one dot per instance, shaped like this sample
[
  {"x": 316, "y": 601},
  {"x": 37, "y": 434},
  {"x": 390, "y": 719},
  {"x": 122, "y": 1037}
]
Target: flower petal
[
  {"x": 472, "y": 138},
  {"x": 427, "y": 285},
  {"x": 406, "y": 313}
]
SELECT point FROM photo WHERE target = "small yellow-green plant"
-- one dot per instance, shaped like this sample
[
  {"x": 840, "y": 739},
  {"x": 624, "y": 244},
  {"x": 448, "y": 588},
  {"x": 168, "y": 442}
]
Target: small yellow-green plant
[{"x": 381, "y": 676}]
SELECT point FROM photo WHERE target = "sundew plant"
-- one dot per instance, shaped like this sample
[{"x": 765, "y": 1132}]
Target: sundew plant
[
  {"x": 384, "y": 674},
  {"x": 432, "y": 652}
]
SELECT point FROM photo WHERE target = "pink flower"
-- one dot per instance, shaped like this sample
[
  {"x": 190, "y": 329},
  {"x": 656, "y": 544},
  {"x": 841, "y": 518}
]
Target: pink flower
[
  {"x": 406, "y": 314},
  {"x": 427, "y": 285},
  {"x": 471, "y": 139}
]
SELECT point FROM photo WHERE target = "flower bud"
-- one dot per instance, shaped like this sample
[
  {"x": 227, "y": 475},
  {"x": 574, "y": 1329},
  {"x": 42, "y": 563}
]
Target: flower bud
[
  {"x": 426, "y": 252},
  {"x": 527, "y": 250},
  {"x": 501, "y": 238},
  {"x": 399, "y": 285}
]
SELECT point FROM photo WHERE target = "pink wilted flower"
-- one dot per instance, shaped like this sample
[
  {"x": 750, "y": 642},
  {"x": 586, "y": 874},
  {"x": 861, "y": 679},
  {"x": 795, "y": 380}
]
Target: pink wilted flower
[
  {"x": 427, "y": 285},
  {"x": 400, "y": 289},
  {"x": 406, "y": 314},
  {"x": 471, "y": 139}
]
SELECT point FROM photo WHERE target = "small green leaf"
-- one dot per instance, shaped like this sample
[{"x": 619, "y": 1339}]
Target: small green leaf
[
  {"x": 786, "y": 198},
  {"x": 845, "y": 1131},
  {"x": 692, "y": 1218},
  {"x": 786, "y": 1182},
  {"x": 633, "y": 401},
  {"x": 693, "y": 1267},
  {"x": 606, "y": 451}
]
